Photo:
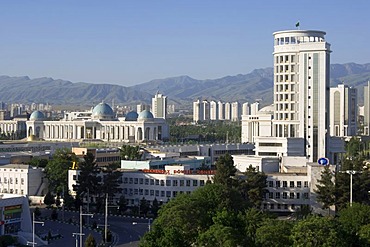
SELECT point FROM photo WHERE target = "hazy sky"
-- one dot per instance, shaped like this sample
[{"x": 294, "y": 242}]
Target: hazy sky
[{"x": 130, "y": 42}]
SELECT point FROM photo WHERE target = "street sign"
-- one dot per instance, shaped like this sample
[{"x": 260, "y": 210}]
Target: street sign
[{"x": 323, "y": 161}]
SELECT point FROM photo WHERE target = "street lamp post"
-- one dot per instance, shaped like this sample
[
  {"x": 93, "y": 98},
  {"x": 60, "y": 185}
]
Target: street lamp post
[
  {"x": 351, "y": 173},
  {"x": 106, "y": 218},
  {"x": 76, "y": 234},
  {"x": 33, "y": 229},
  {"x": 149, "y": 222},
  {"x": 81, "y": 233}
]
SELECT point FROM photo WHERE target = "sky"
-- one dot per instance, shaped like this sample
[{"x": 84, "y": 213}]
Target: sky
[{"x": 131, "y": 42}]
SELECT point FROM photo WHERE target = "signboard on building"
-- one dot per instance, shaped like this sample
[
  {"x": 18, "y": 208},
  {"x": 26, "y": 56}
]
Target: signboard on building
[{"x": 323, "y": 161}]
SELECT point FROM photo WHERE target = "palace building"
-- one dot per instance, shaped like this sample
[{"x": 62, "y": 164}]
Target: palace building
[{"x": 99, "y": 124}]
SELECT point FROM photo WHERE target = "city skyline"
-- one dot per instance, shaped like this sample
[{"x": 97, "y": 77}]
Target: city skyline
[{"x": 128, "y": 43}]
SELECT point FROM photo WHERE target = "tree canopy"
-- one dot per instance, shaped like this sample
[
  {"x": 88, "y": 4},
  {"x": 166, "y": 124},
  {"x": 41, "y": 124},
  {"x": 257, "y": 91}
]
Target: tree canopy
[
  {"x": 56, "y": 171},
  {"x": 129, "y": 152},
  {"x": 326, "y": 189}
]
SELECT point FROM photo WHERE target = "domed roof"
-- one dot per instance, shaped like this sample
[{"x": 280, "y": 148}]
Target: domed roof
[
  {"x": 145, "y": 115},
  {"x": 267, "y": 109},
  {"x": 37, "y": 115},
  {"x": 102, "y": 110},
  {"x": 131, "y": 116}
]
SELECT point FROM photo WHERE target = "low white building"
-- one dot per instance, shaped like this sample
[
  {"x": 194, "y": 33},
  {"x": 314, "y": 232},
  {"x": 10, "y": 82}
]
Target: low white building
[
  {"x": 162, "y": 184},
  {"x": 257, "y": 123},
  {"x": 279, "y": 146},
  {"x": 261, "y": 164},
  {"x": 22, "y": 179}
]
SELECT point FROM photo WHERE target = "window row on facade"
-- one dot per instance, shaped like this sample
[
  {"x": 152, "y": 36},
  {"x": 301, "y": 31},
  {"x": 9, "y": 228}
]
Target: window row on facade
[
  {"x": 285, "y": 97},
  {"x": 285, "y": 107},
  {"x": 6, "y": 180},
  {"x": 286, "y": 59},
  {"x": 161, "y": 182},
  {"x": 155, "y": 193},
  {"x": 284, "y": 184},
  {"x": 285, "y": 87},
  {"x": 278, "y": 206},
  {"x": 285, "y": 78},
  {"x": 297, "y": 40},
  {"x": 12, "y": 191},
  {"x": 291, "y": 68},
  {"x": 287, "y": 195}
]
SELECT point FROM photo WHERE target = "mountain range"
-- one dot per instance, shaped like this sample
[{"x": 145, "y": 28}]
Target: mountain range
[{"x": 181, "y": 90}]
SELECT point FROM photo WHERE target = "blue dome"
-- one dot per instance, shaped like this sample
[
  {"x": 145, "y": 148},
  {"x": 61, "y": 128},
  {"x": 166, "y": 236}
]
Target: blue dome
[
  {"x": 131, "y": 116},
  {"x": 37, "y": 115},
  {"x": 145, "y": 115},
  {"x": 102, "y": 111}
]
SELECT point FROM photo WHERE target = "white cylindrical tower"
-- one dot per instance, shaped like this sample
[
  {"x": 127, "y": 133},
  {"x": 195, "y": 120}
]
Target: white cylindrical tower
[{"x": 301, "y": 88}]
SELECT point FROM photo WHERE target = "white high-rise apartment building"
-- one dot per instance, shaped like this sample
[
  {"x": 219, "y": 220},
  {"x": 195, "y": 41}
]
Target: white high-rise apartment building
[
  {"x": 235, "y": 111},
  {"x": 159, "y": 105},
  {"x": 367, "y": 109},
  {"x": 142, "y": 107},
  {"x": 343, "y": 111},
  {"x": 213, "y": 111},
  {"x": 221, "y": 110},
  {"x": 227, "y": 111},
  {"x": 206, "y": 109},
  {"x": 245, "y": 109},
  {"x": 301, "y": 89},
  {"x": 197, "y": 111}
]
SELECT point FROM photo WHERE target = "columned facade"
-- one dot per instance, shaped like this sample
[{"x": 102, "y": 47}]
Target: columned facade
[{"x": 140, "y": 129}]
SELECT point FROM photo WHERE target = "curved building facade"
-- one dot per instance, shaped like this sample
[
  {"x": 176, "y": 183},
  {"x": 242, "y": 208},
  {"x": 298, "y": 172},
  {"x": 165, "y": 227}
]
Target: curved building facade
[
  {"x": 102, "y": 125},
  {"x": 301, "y": 88}
]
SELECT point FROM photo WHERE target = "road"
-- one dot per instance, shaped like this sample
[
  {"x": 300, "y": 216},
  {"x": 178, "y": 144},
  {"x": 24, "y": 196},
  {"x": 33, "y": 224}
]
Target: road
[{"x": 126, "y": 230}]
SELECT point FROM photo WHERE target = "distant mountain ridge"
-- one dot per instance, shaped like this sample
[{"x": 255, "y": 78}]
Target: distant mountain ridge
[{"x": 180, "y": 90}]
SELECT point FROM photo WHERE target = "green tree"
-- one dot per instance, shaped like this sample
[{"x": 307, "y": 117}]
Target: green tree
[
  {"x": 188, "y": 215},
  {"x": 353, "y": 148},
  {"x": 155, "y": 207},
  {"x": 111, "y": 181},
  {"x": 253, "y": 187},
  {"x": 56, "y": 170},
  {"x": 364, "y": 235},
  {"x": 129, "y": 152},
  {"x": 7, "y": 240},
  {"x": 90, "y": 241},
  {"x": 275, "y": 233},
  {"x": 226, "y": 230},
  {"x": 54, "y": 214},
  {"x": 49, "y": 199},
  {"x": 253, "y": 218},
  {"x": 214, "y": 131},
  {"x": 303, "y": 212},
  {"x": 361, "y": 182},
  {"x": 144, "y": 206},
  {"x": 352, "y": 219},
  {"x": 37, "y": 162},
  {"x": 37, "y": 212},
  {"x": 225, "y": 171},
  {"x": 326, "y": 189},
  {"x": 68, "y": 200},
  {"x": 122, "y": 203},
  {"x": 88, "y": 179},
  {"x": 317, "y": 231}
]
